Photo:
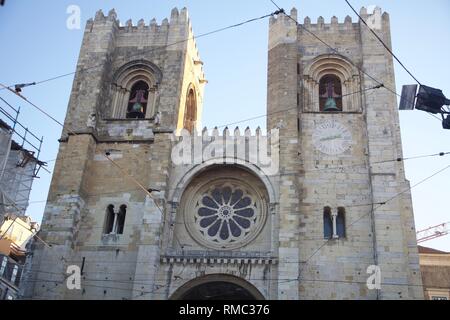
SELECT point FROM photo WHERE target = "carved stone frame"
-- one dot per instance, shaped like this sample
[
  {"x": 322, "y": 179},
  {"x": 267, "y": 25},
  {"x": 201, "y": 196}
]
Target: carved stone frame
[
  {"x": 123, "y": 81},
  {"x": 188, "y": 204},
  {"x": 331, "y": 65}
]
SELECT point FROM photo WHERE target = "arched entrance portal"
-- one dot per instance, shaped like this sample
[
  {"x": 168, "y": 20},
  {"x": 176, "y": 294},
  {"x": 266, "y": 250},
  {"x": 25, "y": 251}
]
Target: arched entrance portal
[
  {"x": 219, "y": 290},
  {"x": 217, "y": 287}
]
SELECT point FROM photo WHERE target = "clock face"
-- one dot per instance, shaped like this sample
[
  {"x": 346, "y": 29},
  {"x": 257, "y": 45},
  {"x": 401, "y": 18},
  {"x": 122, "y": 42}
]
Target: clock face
[{"x": 332, "y": 137}]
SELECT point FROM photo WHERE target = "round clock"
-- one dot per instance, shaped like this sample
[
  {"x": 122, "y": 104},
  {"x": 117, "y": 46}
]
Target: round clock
[{"x": 332, "y": 137}]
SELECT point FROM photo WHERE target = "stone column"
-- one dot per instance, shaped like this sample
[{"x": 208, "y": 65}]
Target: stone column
[{"x": 282, "y": 99}]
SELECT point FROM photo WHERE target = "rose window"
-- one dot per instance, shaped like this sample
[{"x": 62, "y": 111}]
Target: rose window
[{"x": 226, "y": 215}]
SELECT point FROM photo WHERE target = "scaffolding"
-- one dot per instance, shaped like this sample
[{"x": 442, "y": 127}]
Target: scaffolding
[{"x": 19, "y": 162}]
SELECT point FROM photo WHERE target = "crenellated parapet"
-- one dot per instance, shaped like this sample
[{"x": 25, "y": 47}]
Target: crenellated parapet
[
  {"x": 101, "y": 19},
  {"x": 162, "y": 54},
  {"x": 173, "y": 33},
  {"x": 375, "y": 20},
  {"x": 333, "y": 25},
  {"x": 282, "y": 26},
  {"x": 283, "y": 29}
]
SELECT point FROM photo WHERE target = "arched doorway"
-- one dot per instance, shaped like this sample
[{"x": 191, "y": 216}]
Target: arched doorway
[
  {"x": 218, "y": 290},
  {"x": 217, "y": 287}
]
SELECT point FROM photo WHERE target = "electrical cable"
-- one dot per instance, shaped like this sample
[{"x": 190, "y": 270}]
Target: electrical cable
[
  {"x": 158, "y": 48},
  {"x": 381, "y": 204},
  {"x": 142, "y": 187},
  {"x": 382, "y": 42},
  {"x": 335, "y": 51}
]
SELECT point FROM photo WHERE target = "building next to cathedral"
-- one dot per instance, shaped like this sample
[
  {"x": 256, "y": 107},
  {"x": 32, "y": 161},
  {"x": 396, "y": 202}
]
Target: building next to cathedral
[
  {"x": 19, "y": 166},
  {"x": 311, "y": 210}
]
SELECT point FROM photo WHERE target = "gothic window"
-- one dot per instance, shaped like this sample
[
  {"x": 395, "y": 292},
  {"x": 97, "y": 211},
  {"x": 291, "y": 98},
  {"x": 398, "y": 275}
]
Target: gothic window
[
  {"x": 330, "y": 93},
  {"x": 225, "y": 214},
  {"x": 340, "y": 223},
  {"x": 109, "y": 222},
  {"x": 137, "y": 104},
  {"x": 121, "y": 219},
  {"x": 190, "y": 112},
  {"x": 329, "y": 84},
  {"x": 115, "y": 221},
  {"x": 327, "y": 223},
  {"x": 333, "y": 223},
  {"x": 134, "y": 91}
]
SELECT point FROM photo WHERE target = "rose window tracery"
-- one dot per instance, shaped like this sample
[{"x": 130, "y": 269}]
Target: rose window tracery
[{"x": 225, "y": 215}]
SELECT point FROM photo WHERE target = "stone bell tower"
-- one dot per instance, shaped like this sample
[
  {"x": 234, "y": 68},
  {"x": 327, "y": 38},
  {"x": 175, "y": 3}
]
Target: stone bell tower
[
  {"x": 344, "y": 204},
  {"x": 135, "y": 85}
]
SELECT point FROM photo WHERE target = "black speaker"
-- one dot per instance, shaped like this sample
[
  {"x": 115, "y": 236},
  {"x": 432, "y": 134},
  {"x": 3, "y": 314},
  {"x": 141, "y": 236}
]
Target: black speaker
[
  {"x": 430, "y": 99},
  {"x": 446, "y": 123}
]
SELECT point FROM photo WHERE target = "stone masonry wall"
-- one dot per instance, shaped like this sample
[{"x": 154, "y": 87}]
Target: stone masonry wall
[
  {"x": 156, "y": 257},
  {"x": 336, "y": 269},
  {"x": 85, "y": 182}
]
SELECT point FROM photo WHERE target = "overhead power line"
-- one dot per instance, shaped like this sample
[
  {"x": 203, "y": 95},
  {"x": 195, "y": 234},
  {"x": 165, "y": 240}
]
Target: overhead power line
[
  {"x": 305, "y": 29},
  {"x": 382, "y": 42},
  {"x": 149, "y": 193},
  {"x": 374, "y": 209},
  {"x": 142, "y": 187},
  {"x": 291, "y": 108},
  {"x": 134, "y": 180},
  {"x": 31, "y": 103},
  {"x": 146, "y": 191},
  {"x": 429, "y": 91},
  {"x": 149, "y": 281},
  {"x": 335, "y": 51},
  {"x": 340, "y": 167},
  {"x": 158, "y": 48}
]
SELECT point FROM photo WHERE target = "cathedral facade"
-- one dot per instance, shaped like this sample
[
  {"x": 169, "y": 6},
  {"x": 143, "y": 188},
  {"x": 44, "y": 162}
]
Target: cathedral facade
[{"x": 149, "y": 206}]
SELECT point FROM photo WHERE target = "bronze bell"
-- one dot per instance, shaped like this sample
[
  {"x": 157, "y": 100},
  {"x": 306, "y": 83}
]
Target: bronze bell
[{"x": 330, "y": 105}]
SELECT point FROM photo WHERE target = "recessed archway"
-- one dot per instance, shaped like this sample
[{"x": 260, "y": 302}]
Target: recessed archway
[{"x": 217, "y": 287}]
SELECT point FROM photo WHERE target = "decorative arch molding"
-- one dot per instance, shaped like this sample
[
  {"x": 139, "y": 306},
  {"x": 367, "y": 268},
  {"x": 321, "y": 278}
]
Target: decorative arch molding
[
  {"x": 338, "y": 66},
  {"x": 212, "y": 176},
  {"x": 123, "y": 81},
  {"x": 184, "y": 181},
  {"x": 183, "y": 290},
  {"x": 141, "y": 64}
]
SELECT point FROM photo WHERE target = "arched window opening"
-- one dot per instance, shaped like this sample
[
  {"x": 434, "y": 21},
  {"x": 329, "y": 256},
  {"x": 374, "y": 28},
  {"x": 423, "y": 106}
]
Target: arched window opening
[
  {"x": 333, "y": 223},
  {"x": 340, "y": 223},
  {"x": 135, "y": 90},
  {"x": 137, "y": 105},
  {"x": 121, "y": 219},
  {"x": 327, "y": 223},
  {"x": 330, "y": 93},
  {"x": 109, "y": 222},
  {"x": 190, "y": 113},
  {"x": 115, "y": 221}
]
